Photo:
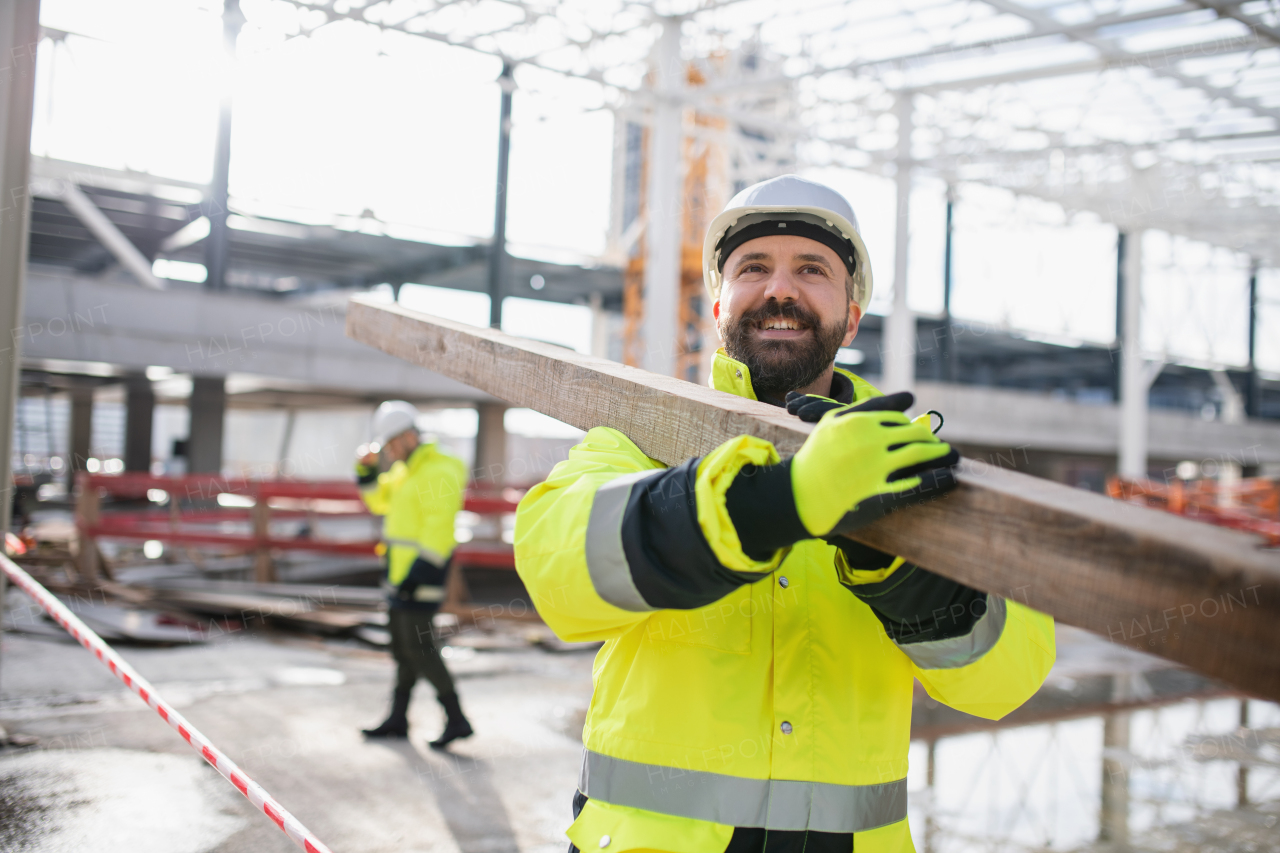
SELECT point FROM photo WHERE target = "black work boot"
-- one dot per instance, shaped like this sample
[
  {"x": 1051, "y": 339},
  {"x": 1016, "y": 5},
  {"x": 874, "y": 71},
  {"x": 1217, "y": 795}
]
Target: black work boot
[
  {"x": 455, "y": 724},
  {"x": 397, "y": 724}
]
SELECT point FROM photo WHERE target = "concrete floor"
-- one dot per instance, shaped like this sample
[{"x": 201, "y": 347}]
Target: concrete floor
[{"x": 109, "y": 775}]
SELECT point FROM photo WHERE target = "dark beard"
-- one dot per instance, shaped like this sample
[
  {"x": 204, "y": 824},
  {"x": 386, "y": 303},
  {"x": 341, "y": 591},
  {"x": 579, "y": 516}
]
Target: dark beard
[{"x": 781, "y": 366}]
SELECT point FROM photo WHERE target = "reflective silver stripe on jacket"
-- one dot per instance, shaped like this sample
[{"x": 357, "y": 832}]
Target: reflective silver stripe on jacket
[
  {"x": 960, "y": 651},
  {"x": 423, "y": 551},
  {"x": 735, "y": 801},
  {"x": 606, "y": 561}
]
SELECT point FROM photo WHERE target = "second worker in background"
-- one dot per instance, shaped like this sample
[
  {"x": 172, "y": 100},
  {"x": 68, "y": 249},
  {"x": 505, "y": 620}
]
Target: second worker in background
[{"x": 419, "y": 496}]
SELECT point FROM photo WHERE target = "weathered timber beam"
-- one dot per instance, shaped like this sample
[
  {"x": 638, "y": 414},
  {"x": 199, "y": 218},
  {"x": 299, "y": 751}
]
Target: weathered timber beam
[{"x": 1200, "y": 595}]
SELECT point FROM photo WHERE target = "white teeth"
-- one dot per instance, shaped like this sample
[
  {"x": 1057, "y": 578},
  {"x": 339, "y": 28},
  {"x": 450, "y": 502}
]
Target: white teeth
[{"x": 780, "y": 324}]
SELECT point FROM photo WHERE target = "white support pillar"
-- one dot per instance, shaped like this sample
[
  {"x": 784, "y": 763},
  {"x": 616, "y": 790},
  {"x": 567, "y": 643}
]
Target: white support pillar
[
  {"x": 19, "y": 38},
  {"x": 1113, "y": 820},
  {"x": 663, "y": 206},
  {"x": 1136, "y": 374},
  {"x": 1230, "y": 470},
  {"x": 899, "y": 343},
  {"x": 599, "y": 326},
  {"x": 80, "y": 430},
  {"x": 491, "y": 445}
]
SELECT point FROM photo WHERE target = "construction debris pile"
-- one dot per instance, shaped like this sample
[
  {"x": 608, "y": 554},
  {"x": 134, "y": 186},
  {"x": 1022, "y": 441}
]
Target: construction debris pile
[{"x": 1251, "y": 504}]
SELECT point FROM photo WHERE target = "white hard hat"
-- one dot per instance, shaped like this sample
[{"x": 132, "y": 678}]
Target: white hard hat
[
  {"x": 392, "y": 418},
  {"x": 805, "y": 208}
]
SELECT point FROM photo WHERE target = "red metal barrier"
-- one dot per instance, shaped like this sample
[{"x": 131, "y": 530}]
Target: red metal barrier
[
  {"x": 1251, "y": 504},
  {"x": 207, "y": 487},
  {"x": 199, "y": 522}
]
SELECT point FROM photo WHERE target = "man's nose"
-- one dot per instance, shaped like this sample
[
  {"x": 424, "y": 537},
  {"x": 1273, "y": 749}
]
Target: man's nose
[{"x": 781, "y": 286}]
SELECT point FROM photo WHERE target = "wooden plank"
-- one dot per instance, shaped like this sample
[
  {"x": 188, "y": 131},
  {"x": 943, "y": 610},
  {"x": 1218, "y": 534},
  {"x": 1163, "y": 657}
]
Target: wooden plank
[{"x": 1196, "y": 594}]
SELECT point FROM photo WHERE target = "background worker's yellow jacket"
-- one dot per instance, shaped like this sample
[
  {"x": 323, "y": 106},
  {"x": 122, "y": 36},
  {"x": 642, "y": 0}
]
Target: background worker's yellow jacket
[
  {"x": 784, "y": 704},
  {"x": 419, "y": 500}
]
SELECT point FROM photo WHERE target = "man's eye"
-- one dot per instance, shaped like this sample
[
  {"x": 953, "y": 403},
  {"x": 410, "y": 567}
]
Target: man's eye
[{"x": 813, "y": 271}]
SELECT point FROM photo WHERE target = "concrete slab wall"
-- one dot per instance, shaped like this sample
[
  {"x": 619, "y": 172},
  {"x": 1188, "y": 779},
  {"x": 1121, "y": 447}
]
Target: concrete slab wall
[
  {"x": 190, "y": 330},
  {"x": 998, "y": 418}
]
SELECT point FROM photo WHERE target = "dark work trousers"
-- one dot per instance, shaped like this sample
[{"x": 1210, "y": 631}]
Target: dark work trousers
[{"x": 414, "y": 649}]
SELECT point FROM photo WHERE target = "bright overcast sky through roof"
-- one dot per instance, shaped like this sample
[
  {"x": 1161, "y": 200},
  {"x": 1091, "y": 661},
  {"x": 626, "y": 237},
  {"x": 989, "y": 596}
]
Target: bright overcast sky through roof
[
  {"x": 345, "y": 121},
  {"x": 339, "y": 117}
]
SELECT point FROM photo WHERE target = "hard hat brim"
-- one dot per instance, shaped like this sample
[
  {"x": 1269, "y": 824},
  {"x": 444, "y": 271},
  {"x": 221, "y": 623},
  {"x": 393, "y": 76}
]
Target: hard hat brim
[{"x": 713, "y": 280}]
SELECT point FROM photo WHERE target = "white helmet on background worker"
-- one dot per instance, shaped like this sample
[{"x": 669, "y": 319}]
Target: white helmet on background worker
[
  {"x": 788, "y": 205},
  {"x": 392, "y": 418}
]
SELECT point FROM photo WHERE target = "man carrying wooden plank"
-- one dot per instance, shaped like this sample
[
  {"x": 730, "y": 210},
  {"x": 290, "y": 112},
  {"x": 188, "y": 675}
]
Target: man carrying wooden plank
[
  {"x": 754, "y": 691},
  {"x": 419, "y": 495}
]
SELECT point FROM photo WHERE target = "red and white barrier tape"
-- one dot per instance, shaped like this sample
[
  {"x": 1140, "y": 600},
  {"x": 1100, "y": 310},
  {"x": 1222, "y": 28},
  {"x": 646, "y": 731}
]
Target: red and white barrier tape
[{"x": 261, "y": 800}]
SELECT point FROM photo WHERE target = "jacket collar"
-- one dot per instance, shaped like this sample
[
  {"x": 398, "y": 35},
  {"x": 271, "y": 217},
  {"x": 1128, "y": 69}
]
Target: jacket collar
[
  {"x": 423, "y": 452},
  {"x": 733, "y": 376}
]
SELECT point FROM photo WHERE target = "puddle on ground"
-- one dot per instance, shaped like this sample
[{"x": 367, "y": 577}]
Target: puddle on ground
[
  {"x": 58, "y": 801},
  {"x": 1183, "y": 777}
]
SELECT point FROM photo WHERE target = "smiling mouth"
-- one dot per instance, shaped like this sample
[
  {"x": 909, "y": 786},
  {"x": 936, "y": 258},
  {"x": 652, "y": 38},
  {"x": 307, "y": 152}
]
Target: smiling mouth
[{"x": 780, "y": 324}]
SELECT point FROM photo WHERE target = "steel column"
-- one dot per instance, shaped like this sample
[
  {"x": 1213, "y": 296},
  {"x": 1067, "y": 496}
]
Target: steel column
[
  {"x": 80, "y": 430},
  {"x": 1134, "y": 381},
  {"x": 498, "y": 248},
  {"x": 1118, "y": 347},
  {"x": 950, "y": 358},
  {"x": 1253, "y": 386},
  {"x": 208, "y": 407},
  {"x": 218, "y": 243},
  {"x": 140, "y": 404}
]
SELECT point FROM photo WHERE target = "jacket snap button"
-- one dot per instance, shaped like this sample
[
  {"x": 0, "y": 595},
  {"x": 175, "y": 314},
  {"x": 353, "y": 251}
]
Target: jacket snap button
[
  {"x": 604, "y": 841},
  {"x": 738, "y": 373},
  {"x": 786, "y": 728},
  {"x": 783, "y": 582}
]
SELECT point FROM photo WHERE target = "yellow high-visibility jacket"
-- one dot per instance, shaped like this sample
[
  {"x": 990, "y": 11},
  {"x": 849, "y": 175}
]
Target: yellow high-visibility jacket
[
  {"x": 783, "y": 705},
  {"x": 419, "y": 500}
]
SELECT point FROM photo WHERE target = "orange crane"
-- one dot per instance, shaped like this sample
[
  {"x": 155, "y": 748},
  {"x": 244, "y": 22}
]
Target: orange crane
[{"x": 706, "y": 190}]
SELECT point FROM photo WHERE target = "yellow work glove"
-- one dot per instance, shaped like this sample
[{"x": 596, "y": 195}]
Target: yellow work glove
[{"x": 864, "y": 452}]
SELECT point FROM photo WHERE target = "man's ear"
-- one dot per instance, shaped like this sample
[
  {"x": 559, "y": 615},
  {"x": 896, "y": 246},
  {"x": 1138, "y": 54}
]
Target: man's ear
[
  {"x": 715, "y": 312},
  {"x": 855, "y": 317}
]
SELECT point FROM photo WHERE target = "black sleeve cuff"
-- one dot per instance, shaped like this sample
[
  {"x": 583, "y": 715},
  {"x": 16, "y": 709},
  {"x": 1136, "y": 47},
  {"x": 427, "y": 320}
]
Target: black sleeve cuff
[
  {"x": 671, "y": 563},
  {"x": 914, "y": 604},
  {"x": 762, "y": 508},
  {"x": 366, "y": 474}
]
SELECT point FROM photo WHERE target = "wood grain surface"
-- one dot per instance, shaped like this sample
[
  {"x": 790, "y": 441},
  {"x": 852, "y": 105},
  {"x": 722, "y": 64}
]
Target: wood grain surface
[{"x": 1200, "y": 595}]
